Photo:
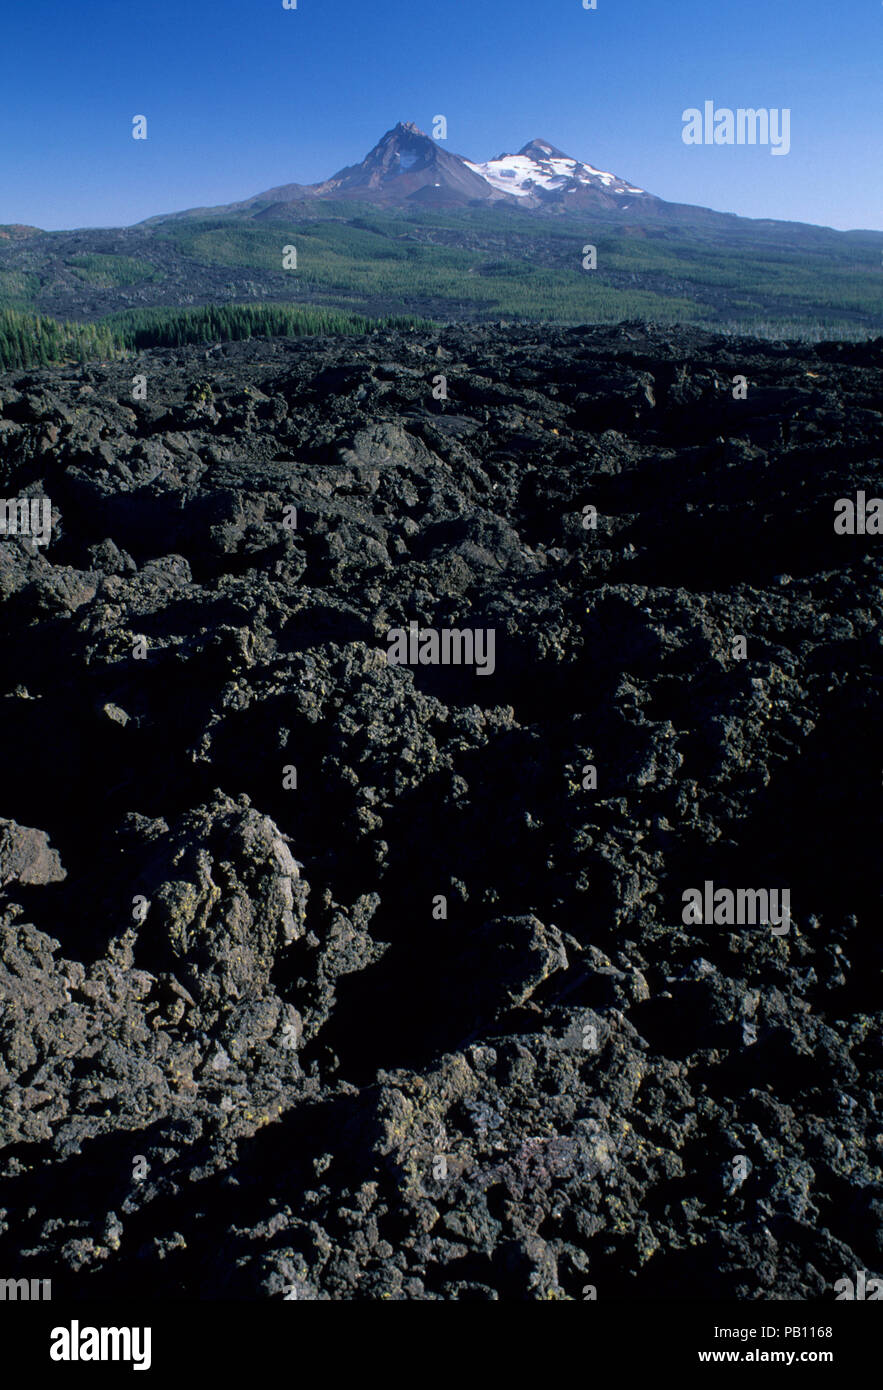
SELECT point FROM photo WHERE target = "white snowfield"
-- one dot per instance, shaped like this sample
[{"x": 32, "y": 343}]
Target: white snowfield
[{"x": 520, "y": 175}]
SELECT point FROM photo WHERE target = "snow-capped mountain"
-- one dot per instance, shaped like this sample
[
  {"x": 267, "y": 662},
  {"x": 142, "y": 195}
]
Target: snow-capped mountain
[
  {"x": 407, "y": 167},
  {"x": 540, "y": 174}
]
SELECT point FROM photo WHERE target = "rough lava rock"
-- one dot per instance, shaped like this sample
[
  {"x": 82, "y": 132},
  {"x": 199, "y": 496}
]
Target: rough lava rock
[
  {"x": 373, "y": 981},
  {"x": 26, "y": 856}
]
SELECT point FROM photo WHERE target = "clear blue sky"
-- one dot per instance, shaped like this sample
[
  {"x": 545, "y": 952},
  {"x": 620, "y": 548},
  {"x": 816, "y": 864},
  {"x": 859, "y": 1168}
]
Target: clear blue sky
[{"x": 241, "y": 95}]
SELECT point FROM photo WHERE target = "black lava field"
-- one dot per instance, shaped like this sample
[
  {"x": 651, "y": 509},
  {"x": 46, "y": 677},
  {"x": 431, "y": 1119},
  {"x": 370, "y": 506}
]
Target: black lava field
[{"x": 329, "y": 977}]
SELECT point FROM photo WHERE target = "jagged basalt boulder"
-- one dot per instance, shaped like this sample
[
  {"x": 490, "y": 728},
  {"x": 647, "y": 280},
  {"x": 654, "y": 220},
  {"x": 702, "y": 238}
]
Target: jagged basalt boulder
[
  {"x": 224, "y": 897},
  {"x": 27, "y": 857}
]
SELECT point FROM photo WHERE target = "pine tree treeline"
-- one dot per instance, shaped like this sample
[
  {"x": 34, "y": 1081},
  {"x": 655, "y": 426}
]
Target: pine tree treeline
[
  {"x": 28, "y": 340},
  {"x": 147, "y": 328}
]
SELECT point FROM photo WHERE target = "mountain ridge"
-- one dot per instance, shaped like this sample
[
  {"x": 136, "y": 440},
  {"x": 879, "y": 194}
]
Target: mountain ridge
[{"x": 407, "y": 167}]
